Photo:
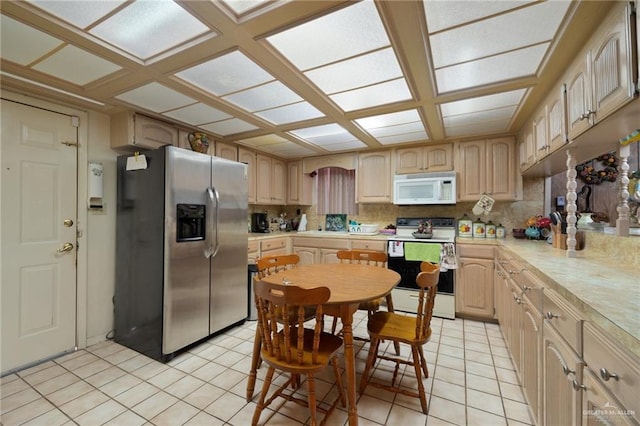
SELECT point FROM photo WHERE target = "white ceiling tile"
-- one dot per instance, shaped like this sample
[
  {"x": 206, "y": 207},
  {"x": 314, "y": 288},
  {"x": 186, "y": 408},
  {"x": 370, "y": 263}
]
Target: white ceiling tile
[
  {"x": 290, "y": 149},
  {"x": 499, "y": 34},
  {"x": 146, "y": 28},
  {"x": 381, "y": 65},
  {"x": 402, "y": 138},
  {"x": 262, "y": 97},
  {"x": 33, "y": 43},
  {"x": 79, "y": 13},
  {"x": 355, "y": 29},
  {"x": 331, "y": 139},
  {"x": 197, "y": 114},
  {"x": 87, "y": 66},
  {"x": 226, "y": 74},
  {"x": 269, "y": 139},
  {"x": 344, "y": 146},
  {"x": 398, "y": 129},
  {"x": 229, "y": 127},
  {"x": 327, "y": 129},
  {"x": 390, "y": 119},
  {"x": 446, "y": 14},
  {"x": 379, "y": 94},
  {"x": 241, "y": 6},
  {"x": 510, "y": 65},
  {"x": 156, "y": 97},
  {"x": 481, "y": 128},
  {"x": 482, "y": 102},
  {"x": 290, "y": 113},
  {"x": 480, "y": 116}
]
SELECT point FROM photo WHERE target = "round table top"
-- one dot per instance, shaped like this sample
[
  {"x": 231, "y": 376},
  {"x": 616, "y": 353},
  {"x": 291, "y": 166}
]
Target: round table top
[{"x": 349, "y": 283}]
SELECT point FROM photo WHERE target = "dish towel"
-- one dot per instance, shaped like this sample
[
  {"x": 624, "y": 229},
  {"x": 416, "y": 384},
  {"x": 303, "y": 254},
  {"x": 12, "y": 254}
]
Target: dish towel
[
  {"x": 396, "y": 249},
  {"x": 422, "y": 251},
  {"x": 449, "y": 260}
]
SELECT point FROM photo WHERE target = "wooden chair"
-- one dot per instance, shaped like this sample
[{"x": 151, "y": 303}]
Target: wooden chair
[
  {"x": 405, "y": 329},
  {"x": 266, "y": 266},
  {"x": 289, "y": 347}
]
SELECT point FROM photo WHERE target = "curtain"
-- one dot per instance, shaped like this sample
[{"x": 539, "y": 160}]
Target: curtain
[{"x": 336, "y": 191}]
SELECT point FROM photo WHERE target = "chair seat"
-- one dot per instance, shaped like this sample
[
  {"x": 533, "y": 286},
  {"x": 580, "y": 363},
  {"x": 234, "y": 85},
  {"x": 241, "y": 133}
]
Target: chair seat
[
  {"x": 329, "y": 346},
  {"x": 389, "y": 325}
]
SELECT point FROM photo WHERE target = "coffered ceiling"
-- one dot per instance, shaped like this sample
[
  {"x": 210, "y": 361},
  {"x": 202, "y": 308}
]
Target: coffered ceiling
[{"x": 300, "y": 78}]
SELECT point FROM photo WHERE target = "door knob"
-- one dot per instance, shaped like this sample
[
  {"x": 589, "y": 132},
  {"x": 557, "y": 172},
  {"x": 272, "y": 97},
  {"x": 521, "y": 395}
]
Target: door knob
[
  {"x": 65, "y": 248},
  {"x": 68, "y": 223}
]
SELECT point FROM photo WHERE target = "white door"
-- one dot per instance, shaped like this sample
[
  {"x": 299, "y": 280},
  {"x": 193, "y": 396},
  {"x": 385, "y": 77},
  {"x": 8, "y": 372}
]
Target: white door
[{"x": 38, "y": 215}]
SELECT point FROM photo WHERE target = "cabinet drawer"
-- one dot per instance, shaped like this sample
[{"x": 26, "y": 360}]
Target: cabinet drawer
[
  {"x": 338, "y": 244},
  {"x": 531, "y": 287},
  {"x": 601, "y": 352},
  {"x": 475, "y": 250},
  {"x": 253, "y": 246},
  {"x": 376, "y": 245},
  {"x": 564, "y": 319},
  {"x": 273, "y": 244}
]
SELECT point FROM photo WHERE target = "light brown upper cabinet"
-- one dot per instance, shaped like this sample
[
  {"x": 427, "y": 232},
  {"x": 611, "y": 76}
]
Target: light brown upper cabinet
[
  {"x": 549, "y": 127},
  {"x": 134, "y": 131},
  {"x": 299, "y": 185},
  {"x": 487, "y": 167},
  {"x": 434, "y": 158},
  {"x": 228, "y": 151},
  {"x": 602, "y": 78},
  {"x": 374, "y": 177},
  {"x": 248, "y": 157},
  {"x": 271, "y": 180}
]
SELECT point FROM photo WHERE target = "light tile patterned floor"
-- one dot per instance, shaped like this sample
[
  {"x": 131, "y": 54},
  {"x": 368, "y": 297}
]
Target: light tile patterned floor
[{"x": 472, "y": 382}]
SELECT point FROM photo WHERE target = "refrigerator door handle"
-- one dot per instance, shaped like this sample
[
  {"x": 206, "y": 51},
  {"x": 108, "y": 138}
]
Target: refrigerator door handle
[{"x": 213, "y": 200}]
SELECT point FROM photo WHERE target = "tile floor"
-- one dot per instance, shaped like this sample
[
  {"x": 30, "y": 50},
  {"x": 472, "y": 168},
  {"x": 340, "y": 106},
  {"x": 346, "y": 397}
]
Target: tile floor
[{"x": 472, "y": 382}]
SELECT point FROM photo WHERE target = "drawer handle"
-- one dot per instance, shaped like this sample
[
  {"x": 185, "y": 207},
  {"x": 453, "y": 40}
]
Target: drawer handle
[
  {"x": 527, "y": 288},
  {"x": 550, "y": 315},
  {"x": 577, "y": 386},
  {"x": 604, "y": 373},
  {"x": 517, "y": 299},
  {"x": 566, "y": 370}
]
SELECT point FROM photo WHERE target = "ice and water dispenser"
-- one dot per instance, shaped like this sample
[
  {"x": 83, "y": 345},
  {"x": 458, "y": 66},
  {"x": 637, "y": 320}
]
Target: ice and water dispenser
[{"x": 191, "y": 223}]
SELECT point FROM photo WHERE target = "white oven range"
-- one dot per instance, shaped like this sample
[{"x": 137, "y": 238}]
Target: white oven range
[{"x": 405, "y": 295}]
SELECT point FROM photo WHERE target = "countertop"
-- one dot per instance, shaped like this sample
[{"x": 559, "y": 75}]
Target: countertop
[{"x": 603, "y": 288}]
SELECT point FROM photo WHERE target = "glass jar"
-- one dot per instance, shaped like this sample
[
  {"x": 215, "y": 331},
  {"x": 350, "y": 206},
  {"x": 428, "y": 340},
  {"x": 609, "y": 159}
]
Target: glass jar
[
  {"x": 491, "y": 230},
  {"x": 465, "y": 226},
  {"x": 479, "y": 229},
  {"x": 501, "y": 232}
]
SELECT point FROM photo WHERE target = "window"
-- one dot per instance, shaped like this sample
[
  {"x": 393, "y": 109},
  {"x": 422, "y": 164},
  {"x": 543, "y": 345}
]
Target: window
[{"x": 336, "y": 191}]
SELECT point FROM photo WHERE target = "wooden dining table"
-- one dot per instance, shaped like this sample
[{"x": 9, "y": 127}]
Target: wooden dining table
[{"x": 350, "y": 284}]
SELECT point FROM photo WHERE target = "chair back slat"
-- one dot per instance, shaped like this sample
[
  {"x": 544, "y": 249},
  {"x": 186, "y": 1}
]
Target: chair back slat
[
  {"x": 269, "y": 265},
  {"x": 283, "y": 335},
  {"x": 427, "y": 280},
  {"x": 367, "y": 257}
]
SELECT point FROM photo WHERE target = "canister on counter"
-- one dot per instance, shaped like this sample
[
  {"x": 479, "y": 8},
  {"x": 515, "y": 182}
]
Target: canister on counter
[
  {"x": 465, "y": 226},
  {"x": 491, "y": 229},
  {"x": 479, "y": 229},
  {"x": 501, "y": 232}
]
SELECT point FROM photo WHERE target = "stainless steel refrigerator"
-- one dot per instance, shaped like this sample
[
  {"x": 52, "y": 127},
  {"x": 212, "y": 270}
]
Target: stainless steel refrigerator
[{"x": 181, "y": 261}]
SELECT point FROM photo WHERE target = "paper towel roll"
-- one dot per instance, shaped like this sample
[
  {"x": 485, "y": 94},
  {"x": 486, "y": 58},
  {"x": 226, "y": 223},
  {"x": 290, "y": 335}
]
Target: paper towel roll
[{"x": 303, "y": 223}]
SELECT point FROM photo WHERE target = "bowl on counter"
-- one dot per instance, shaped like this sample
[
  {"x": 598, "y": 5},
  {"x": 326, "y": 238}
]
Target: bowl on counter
[{"x": 363, "y": 228}]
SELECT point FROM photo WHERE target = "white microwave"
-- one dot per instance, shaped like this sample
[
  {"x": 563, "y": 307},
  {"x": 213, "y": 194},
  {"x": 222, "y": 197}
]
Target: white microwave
[{"x": 425, "y": 188}]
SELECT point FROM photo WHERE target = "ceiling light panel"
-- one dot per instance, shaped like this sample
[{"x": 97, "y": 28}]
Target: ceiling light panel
[
  {"x": 498, "y": 34},
  {"x": 266, "y": 96},
  {"x": 197, "y": 114},
  {"x": 79, "y": 13},
  {"x": 226, "y": 74},
  {"x": 479, "y": 116},
  {"x": 388, "y": 120},
  {"x": 33, "y": 43},
  {"x": 446, "y": 14},
  {"x": 156, "y": 97},
  {"x": 379, "y": 94},
  {"x": 354, "y": 30},
  {"x": 478, "y": 128},
  {"x": 262, "y": 141},
  {"x": 242, "y": 6},
  {"x": 146, "y": 28},
  {"x": 87, "y": 67},
  {"x": 519, "y": 63},
  {"x": 290, "y": 113},
  {"x": 402, "y": 138},
  {"x": 344, "y": 146},
  {"x": 380, "y": 66},
  {"x": 498, "y": 100},
  {"x": 229, "y": 127}
]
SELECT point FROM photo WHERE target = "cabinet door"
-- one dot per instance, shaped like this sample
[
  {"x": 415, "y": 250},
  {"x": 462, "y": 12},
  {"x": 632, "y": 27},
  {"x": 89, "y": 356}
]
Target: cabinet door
[
  {"x": 540, "y": 134},
  {"x": 561, "y": 366},
  {"x": 556, "y": 120},
  {"x": 278, "y": 182},
  {"x": 599, "y": 406},
  {"x": 249, "y": 158},
  {"x": 611, "y": 65},
  {"x": 471, "y": 167},
  {"x": 409, "y": 160},
  {"x": 228, "y": 151},
  {"x": 531, "y": 356},
  {"x": 374, "y": 177},
  {"x": 501, "y": 175},
  {"x": 299, "y": 185},
  {"x": 438, "y": 158},
  {"x": 329, "y": 256},
  {"x": 263, "y": 179},
  {"x": 578, "y": 98},
  {"x": 308, "y": 255},
  {"x": 514, "y": 336},
  {"x": 474, "y": 294}
]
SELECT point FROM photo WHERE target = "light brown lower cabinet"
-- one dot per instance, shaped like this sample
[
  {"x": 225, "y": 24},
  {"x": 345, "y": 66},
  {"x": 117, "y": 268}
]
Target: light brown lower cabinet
[
  {"x": 474, "y": 280},
  {"x": 318, "y": 250}
]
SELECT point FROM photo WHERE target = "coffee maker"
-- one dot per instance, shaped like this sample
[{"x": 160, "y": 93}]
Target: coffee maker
[{"x": 259, "y": 222}]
